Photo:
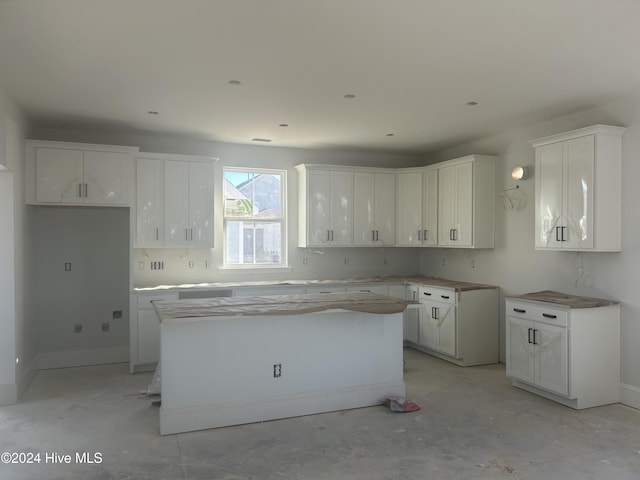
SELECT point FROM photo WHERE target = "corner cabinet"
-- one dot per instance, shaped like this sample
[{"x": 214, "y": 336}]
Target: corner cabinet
[
  {"x": 458, "y": 326},
  {"x": 577, "y": 190},
  {"x": 62, "y": 173},
  {"x": 569, "y": 355},
  {"x": 417, "y": 207},
  {"x": 466, "y": 191},
  {"x": 174, "y": 201}
]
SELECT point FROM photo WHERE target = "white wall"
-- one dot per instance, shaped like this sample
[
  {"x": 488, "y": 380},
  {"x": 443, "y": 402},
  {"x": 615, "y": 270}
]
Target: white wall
[
  {"x": 515, "y": 266},
  {"x": 16, "y": 341}
]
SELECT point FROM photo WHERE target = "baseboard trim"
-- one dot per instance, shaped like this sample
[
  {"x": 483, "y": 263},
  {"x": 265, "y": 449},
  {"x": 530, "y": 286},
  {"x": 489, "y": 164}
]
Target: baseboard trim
[
  {"x": 8, "y": 394},
  {"x": 630, "y": 395},
  {"x": 177, "y": 420},
  {"x": 82, "y": 358}
]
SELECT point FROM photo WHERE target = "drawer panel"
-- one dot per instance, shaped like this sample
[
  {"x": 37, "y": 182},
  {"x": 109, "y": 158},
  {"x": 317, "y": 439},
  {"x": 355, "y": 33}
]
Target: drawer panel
[
  {"x": 144, "y": 301},
  {"x": 435, "y": 294},
  {"x": 538, "y": 313}
]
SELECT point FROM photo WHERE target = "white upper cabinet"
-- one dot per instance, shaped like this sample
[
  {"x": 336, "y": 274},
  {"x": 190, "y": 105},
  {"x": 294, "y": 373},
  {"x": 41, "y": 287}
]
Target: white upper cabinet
[
  {"x": 466, "y": 191},
  {"x": 577, "y": 189},
  {"x": 174, "y": 203},
  {"x": 409, "y": 208},
  {"x": 374, "y": 208},
  {"x": 417, "y": 207},
  {"x": 60, "y": 173},
  {"x": 325, "y": 207}
]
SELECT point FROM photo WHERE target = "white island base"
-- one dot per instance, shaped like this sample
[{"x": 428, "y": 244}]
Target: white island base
[{"x": 228, "y": 370}]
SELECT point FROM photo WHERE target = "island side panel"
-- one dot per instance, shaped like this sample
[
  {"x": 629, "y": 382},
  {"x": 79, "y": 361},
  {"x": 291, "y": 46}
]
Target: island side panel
[{"x": 219, "y": 371}]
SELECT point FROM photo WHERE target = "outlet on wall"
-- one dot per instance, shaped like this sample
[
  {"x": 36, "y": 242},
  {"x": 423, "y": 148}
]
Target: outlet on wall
[
  {"x": 105, "y": 326},
  {"x": 116, "y": 314},
  {"x": 77, "y": 328}
]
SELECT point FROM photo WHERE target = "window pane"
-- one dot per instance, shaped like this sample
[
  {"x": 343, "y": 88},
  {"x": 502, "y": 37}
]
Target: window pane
[
  {"x": 253, "y": 243},
  {"x": 252, "y": 194}
]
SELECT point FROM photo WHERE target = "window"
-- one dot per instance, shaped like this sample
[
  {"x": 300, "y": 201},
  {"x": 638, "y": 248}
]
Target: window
[{"x": 254, "y": 217}]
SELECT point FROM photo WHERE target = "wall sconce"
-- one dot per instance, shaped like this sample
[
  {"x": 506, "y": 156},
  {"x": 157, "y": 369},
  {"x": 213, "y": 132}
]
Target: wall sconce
[{"x": 520, "y": 173}]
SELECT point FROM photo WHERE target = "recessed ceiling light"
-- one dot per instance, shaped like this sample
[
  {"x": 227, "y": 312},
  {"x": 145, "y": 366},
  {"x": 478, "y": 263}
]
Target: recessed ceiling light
[
  {"x": 153, "y": 112},
  {"x": 265, "y": 140},
  {"x": 235, "y": 82},
  {"x": 349, "y": 96},
  {"x": 283, "y": 125},
  {"x": 472, "y": 104}
]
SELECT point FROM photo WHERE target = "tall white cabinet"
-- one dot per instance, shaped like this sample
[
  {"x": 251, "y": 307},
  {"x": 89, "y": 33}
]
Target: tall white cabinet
[
  {"x": 577, "y": 190},
  {"x": 62, "y": 173},
  {"x": 174, "y": 201},
  {"x": 564, "y": 348}
]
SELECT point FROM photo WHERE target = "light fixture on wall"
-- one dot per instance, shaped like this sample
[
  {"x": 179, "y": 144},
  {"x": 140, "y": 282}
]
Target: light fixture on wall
[{"x": 520, "y": 173}]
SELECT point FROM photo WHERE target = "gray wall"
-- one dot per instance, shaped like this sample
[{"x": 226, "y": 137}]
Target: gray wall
[{"x": 515, "y": 266}]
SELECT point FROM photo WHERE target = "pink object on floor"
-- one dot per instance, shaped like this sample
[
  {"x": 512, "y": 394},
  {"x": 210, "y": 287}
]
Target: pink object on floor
[{"x": 397, "y": 404}]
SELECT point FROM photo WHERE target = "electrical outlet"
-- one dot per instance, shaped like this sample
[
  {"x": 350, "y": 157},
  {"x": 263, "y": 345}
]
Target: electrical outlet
[
  {"x": 105, "y": 326},
  {"x": 473, "y": 264},
  {"x": 116, "y": 314},
  {"x": 67, "y": 266},
  {"x": 277, "y": 370},
  {"x": 140, "y": 265},
  {"x": 77, "y": 328},
  {"x": 346, "y": 260},
  {"x": 207, "y": 264},
  {"x": 190, "y": 263},
  {"x": 157, "y": 265},
  {"x": 386, "y": 261},
  {"x": 305, "y": 261}
]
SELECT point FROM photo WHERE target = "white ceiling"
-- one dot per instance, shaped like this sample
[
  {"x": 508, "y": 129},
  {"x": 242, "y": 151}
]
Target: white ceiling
[{"x": 412, "y": 65}]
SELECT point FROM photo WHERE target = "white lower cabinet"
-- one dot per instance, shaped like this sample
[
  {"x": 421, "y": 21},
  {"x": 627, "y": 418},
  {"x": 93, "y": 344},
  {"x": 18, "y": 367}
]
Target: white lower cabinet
[
  {"x": 567, "y": 355},
  {"x": 458, "y": 326},
  {"x": 144, "y": 346}
]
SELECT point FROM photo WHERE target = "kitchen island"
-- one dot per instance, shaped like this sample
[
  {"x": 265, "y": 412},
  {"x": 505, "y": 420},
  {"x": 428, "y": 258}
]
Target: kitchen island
[{"x": 235, "y": 360}]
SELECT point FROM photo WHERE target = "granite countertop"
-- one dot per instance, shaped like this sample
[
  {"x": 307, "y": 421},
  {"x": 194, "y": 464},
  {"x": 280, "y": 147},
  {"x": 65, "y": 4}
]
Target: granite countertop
[
  {"x": 410, "y": 279},
  {"x": 296, "y": 304},
  {"x": 571, "y": 301}
]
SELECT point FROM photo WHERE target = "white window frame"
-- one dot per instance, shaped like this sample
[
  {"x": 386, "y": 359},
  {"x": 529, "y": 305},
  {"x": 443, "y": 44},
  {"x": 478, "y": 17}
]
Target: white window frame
[{"x": 284, "y": 261}]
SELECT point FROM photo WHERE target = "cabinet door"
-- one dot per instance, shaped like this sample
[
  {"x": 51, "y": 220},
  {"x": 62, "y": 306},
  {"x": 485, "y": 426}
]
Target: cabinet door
[
  {"x": 549, "y": 190},
  {"x": 464, "y": 205},
  {"x": 447, "y": 205},
  {"x": 364, "y": 190},
  {"x": 149, "y": 202},
  {"x": 520, "y": 350},
  {"x": 551, "y": 343},
  {"x": 409, "y": 209},
  {"x": 105, "y": 178},
  {"x": 578, "y": 183},
  {"x": 201, "y": 204},
  {"x": 430, "y": 208},
  {"x": 59, "y": 176},
  {"x": 384, "y": 208},
  {"x": 412, "y": 317},
  {"x": 341, "y": 208},
  {"x": 319, "y": 215},
  {"x": 148, "y": 337},
  {"x": 438, "y": 328},
  {"x": 176, "y": 202}
]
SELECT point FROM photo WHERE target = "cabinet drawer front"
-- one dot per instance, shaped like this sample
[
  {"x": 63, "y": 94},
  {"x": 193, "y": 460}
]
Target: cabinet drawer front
[
  {"x": 144, "y": 301},
  {"x": 427, "y": 293},
  {"x": 538, "y": 313}
]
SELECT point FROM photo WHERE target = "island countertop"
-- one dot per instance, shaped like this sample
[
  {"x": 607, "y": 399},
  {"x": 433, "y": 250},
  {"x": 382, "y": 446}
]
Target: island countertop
[
  {"x": 296, "y": 304},
  {"x": 458, "y": 286}
]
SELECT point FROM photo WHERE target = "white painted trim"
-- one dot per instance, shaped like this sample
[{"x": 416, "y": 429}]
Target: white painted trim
[
  {"x": 630, "y": 395},
  {"x": 176, "y": 420},
  {"x": 27, "y": 376},
  {"x": 8, "y": 394},
  {"x": 81, "y": 358}
]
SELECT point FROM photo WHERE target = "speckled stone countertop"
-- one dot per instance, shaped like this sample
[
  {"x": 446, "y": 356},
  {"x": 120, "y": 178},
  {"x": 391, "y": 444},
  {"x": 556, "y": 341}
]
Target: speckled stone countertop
[
  {"x": 410, "y": 279},
  {"x": 571, "y": 301}
]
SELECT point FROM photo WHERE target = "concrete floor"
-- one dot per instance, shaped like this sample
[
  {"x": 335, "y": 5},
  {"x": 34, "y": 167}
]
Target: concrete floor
[{"x": 473, "y": 425}]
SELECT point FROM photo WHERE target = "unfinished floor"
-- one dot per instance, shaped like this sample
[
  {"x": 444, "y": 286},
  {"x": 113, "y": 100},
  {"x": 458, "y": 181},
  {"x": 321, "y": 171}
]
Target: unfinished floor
[{"x": 473, "y": 425}]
